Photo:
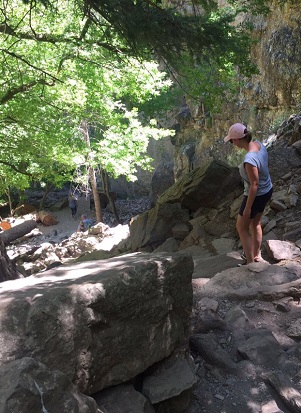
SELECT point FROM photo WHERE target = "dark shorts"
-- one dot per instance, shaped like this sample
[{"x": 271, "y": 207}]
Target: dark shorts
[{"x": 258, "y": 205}]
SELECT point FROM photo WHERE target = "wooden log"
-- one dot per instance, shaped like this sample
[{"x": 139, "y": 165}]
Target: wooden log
[
  {"x": 209, "y": 349},
  {"x": 17, "y": 231},
  {"x": 47, "y": 218}
]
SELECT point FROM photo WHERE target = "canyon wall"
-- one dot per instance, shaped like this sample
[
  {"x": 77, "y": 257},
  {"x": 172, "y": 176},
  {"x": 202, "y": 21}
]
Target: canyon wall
[{"x": 263, "y": 102}]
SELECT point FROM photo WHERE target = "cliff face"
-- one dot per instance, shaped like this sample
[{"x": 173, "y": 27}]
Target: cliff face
[
  {"x": 263, "y": 102},
  {"x": 278, "y": 57}
]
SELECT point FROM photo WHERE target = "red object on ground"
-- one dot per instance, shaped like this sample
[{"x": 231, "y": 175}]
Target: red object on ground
[{"x": 5, "y": 225}]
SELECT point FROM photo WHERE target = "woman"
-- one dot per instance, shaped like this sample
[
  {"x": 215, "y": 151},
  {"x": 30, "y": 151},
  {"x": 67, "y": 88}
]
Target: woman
[{"x": 258, "y": 190}]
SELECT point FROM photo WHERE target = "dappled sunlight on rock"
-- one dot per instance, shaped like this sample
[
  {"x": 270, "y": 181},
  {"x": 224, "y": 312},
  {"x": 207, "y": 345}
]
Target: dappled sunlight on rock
[{"x": 84, "y": 317}]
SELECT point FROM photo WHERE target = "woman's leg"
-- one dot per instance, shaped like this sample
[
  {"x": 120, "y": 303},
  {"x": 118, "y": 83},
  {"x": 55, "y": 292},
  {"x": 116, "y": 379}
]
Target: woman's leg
[
  {"x": 242, "y": 226},
  {"x": 256, "y": 234}
]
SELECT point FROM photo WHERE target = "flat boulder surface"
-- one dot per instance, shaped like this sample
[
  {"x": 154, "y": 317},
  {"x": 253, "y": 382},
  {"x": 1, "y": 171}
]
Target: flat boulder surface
[
  {"x": 100, "y": 323},
  {"x": 252, "y": 281}
]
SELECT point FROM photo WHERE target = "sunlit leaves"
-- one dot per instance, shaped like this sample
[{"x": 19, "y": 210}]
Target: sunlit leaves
[
  {"x": 52, "y": 80},
  {"x": 123, "y": 145},
  {"x": 60, "y": 67}
]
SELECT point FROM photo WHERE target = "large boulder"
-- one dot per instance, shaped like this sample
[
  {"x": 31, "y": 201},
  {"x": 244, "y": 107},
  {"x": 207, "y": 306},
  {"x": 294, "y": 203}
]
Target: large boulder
[
  {"x": 100, "y": 323},
  {"x": 123, "y": 399},
  {"x": 27, "y": 386},
  {"x": 205, "y": 186},
  {"x": 162, "y": 179},
  {"x": 153, "y": 227}
]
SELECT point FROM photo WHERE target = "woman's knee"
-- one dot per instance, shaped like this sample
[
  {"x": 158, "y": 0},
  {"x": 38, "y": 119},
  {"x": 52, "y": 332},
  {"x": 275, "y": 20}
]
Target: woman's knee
[
  {"x": 256, "y": 222},
  {"x": 242, "y": 225}
]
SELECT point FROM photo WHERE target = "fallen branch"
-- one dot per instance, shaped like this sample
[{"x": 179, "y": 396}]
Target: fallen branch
[{"x": 17, "y": 231}]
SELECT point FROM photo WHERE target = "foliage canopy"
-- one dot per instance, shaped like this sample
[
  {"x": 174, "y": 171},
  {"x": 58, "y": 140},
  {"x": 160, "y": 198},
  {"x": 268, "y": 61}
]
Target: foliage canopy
[{"x": 67, "y": 62}]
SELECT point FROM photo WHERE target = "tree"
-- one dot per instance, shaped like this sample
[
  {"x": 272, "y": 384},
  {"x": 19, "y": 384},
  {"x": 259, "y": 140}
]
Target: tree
[
  {"x": 42, "y": 47},
  {"x": 116, "y": 134},
  {"x": 56, "y": 84},
  {"x": 57, "y": 66},
  {"x": 7, "y": 268},
  {"x": 160, "y": 27},
  {"x": 137, "y": 28}
]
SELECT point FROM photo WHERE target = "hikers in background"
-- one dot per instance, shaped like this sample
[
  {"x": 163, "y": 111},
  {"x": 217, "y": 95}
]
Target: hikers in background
[
  {"x": 258, "y": 190},
  {"x": 72, "y": 205},
  {"x": 85, "y": 223}
]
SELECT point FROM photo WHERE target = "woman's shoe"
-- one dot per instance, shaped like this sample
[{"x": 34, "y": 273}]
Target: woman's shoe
[{"x": 242, "y": 264}]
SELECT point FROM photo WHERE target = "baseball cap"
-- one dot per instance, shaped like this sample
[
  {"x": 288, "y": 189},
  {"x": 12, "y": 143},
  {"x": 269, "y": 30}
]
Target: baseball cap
[{"x": 236, "y": 131}]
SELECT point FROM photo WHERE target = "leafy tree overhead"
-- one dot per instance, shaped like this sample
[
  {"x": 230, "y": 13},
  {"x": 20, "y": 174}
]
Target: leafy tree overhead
[
  {"x": 50, "y": 85},
  {"x": 73, "y": 61},
  {"x": 91, "y": 62},
  {"x": 170, "y": 29},
  {"x": 143, "y": 28},
  {"x": 195, "y": 39}
]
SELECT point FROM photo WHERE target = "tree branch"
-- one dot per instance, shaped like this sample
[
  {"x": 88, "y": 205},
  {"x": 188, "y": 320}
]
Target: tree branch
[
  {"x": 13, "y": 167},
  {"x": 22, "y": 88},
  {"x": 29, "y": 64},
  {"x": 48, "y": 38}
]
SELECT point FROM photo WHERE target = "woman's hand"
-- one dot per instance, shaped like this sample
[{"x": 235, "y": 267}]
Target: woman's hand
[{"x": 246, "y": 213}]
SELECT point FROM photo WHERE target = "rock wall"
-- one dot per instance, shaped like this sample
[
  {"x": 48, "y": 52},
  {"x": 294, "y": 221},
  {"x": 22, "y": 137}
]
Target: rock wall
[{"x": 263, "y": 102}]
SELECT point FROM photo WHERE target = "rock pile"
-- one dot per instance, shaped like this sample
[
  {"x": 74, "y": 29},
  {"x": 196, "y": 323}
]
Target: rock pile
[{"x": 201, "y": 209}]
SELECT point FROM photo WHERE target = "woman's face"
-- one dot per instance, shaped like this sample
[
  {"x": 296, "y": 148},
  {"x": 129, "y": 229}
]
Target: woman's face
[{"x": 238, "y": 143}]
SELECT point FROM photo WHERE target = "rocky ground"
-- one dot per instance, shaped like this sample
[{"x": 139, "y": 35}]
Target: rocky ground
[
  {"x": 127, "y": 208},
  {"x": 52, "y": 245},
  {"x": 246, "y": 340},
  {"x": 246, "y": 329}
]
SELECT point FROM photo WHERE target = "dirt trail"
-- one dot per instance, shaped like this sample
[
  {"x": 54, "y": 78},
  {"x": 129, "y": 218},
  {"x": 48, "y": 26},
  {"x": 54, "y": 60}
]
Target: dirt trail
[{"x": 65, "y": 222}]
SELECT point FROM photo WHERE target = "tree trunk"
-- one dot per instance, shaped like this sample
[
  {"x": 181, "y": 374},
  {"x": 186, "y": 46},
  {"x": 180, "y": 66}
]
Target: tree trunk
[
  {"x": 8, "y": 270},
  {"x": 105, "y": 182},
  {"x": 18, "y": 231},
  {"x": 46, "y": 192},
  {"x": 95, "y": 194},
  {"x": 92, "y": 179},
  {"x": 7, "y": 192}
]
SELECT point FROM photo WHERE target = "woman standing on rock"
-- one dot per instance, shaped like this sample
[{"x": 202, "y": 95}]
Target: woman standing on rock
[{"x": 258, "y": 190}]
